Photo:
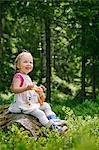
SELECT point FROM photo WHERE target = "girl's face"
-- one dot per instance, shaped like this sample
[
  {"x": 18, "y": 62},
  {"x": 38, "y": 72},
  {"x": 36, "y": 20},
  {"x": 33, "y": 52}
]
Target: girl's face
[{"x": 25, "y": 63}]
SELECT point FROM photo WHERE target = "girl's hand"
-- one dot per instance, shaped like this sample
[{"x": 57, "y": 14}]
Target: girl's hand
[
  {"x": 30, "y": 87},
  {"x": 34, "y": 83},
  {"x": 43, "y": 87},
  {"x": 38, "y": 90}
]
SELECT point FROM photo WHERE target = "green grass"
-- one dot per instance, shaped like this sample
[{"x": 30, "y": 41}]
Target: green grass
[
  {"x": 82, "y": 121},
  {"x": 87, "y": 107}
]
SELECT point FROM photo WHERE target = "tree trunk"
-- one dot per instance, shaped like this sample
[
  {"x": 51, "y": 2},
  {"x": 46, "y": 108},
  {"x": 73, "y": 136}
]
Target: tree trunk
[
  {"x": 29, "y": 122},
  {"x": 43, "y": 52},
  {"x": 0, "y": 39},
  {"x": 83, "y": 44},
  {"x": 48, "y": 66},
  {"x": 0, "y": 22},
  {"x": 83, "y": 95},
  {"x": 94, "y": 79}
]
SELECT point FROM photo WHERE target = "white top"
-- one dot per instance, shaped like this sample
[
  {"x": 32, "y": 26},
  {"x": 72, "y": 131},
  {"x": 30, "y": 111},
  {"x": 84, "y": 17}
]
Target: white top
[{"x": 26, "y": 101}]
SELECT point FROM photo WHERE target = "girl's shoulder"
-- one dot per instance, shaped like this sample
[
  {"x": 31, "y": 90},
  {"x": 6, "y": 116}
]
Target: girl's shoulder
[{"x": 21, "y": 77}]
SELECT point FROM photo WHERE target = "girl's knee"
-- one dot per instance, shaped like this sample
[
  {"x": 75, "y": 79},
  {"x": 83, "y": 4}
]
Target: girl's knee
[
  {"x": 46, "y": 105},
  {"x": 39, "y": 113},
  {"x": 42, "y": 114}
]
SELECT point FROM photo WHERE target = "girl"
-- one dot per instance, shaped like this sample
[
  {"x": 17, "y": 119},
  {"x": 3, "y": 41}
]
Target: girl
[{"x": 26, "y": 99}]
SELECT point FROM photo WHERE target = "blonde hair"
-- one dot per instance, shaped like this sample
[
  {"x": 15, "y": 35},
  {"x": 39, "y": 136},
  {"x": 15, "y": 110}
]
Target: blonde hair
[{"x": 19, "y": 56}]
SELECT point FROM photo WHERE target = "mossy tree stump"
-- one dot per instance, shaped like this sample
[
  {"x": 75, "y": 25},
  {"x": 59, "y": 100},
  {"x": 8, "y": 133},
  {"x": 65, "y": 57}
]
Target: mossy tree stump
[{"x": 27, "y": 121}]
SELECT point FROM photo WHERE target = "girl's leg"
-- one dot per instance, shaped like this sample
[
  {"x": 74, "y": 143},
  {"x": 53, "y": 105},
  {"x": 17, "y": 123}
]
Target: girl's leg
[
  {"x": 44, "y": 120},
  {"x": 51, "y": 115},
  {"x": 42, "y": 117},
  {"x": 47, "y": 109}
]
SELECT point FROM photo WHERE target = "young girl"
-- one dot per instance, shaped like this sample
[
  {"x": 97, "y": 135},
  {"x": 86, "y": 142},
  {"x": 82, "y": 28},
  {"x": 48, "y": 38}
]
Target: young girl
[{"x": 26, "y": 99}]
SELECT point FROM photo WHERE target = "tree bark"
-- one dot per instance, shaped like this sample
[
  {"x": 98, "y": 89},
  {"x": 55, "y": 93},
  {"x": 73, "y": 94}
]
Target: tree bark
[
  {"x": 29, "y": 122},
  {"x": 83, "y": 95},
  {"x": 43, "y": 52},
  {"x": 0, "y": 39},
  {"x": 94, "y": 79},
  {"x": 83, "y": 44},
  {"x": 48, "y": 65}
]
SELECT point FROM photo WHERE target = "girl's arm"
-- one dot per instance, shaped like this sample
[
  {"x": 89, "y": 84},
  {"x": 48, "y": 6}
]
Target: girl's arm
[{"x": 15, "y": 86}]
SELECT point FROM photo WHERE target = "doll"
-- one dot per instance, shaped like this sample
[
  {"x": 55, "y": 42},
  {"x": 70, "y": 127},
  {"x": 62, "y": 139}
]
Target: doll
[{"x": 40, "y": 90}]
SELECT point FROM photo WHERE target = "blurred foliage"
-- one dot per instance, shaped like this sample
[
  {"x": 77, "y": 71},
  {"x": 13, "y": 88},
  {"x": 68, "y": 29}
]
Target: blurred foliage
[
  {"x": 80, "y": 128},
  {"x": 74, "y": 33},
  {"x": 82, "y": 122},
  {"x": 60, "y": 101}
]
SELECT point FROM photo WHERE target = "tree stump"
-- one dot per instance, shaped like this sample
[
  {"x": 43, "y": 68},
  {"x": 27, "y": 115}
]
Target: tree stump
[{"x": 27, "y": 121}]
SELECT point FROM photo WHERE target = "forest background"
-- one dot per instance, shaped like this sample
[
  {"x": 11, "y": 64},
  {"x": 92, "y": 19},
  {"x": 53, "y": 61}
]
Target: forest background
[{"x": 63, "y": 37}]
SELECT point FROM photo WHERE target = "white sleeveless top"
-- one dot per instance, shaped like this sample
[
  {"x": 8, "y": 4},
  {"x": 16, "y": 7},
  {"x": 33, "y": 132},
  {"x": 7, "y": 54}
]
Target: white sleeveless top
[{"x": 26, "y": 101}]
